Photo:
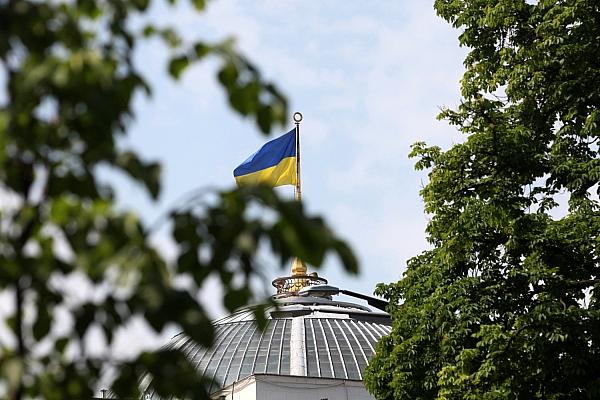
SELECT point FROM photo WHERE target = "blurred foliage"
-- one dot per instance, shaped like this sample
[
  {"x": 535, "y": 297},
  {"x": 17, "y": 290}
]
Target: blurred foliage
[
  {"x": 505, "y": 304},
  {"x": 70, "y": 80}
]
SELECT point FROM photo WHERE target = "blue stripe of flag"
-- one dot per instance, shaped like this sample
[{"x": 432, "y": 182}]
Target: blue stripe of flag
[{"x": 269, "y": 155}]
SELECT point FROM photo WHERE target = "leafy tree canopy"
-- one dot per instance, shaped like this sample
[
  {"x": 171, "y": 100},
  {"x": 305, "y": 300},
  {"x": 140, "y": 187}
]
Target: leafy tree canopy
[
  {"x": 505, "y": 304},
  {"x": 70, "y": 79}
]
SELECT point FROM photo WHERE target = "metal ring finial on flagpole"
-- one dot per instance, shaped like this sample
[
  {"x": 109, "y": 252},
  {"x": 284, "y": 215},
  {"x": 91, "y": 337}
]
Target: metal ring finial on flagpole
[{"x": 297, "y": 117}]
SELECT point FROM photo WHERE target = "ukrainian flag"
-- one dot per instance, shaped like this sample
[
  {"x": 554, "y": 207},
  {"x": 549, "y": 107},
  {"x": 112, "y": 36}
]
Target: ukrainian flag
[{"x": 274, "y": 163}]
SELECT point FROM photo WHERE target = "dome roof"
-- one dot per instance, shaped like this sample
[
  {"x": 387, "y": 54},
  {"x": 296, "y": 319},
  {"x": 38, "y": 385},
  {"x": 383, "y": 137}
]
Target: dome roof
[{"x": 304, "y": 336}]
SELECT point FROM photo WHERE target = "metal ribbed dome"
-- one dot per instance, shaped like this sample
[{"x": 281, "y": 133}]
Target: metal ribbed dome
[{"x": 304, "y": 336}]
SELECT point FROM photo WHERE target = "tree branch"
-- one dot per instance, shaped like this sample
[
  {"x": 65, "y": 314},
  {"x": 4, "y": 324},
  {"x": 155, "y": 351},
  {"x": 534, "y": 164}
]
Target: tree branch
[{"x": 583, "y": 284}]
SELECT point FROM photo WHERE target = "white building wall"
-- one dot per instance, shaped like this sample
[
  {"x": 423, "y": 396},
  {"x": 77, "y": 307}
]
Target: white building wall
[{"x": 275, "y": 387}]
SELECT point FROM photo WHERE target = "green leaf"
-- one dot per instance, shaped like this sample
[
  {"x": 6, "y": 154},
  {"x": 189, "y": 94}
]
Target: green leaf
[
  {"x": 346, "y": 256},
  {"x": 177, "y": 65},
  {"x": 149, "y": 30},
  {"x": 201, "y": 50},
  {"x": 236, "y": 298},
  {"x": 228, "y": 75},
  {"x": 41, "y": 326},
  {"x": 199, "y": 4},
  {"x": 61, "y": 345},
  {"x": 146, "y": 173}
]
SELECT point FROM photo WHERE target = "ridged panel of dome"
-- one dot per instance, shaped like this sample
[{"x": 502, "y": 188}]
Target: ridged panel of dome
[{"x": 313, "y": 337}]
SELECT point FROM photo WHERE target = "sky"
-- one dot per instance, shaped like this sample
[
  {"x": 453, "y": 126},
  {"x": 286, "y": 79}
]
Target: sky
[{"x": 369, "y": 78}]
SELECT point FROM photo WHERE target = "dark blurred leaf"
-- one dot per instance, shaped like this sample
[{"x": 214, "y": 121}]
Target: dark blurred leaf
[
  {"x": 228, "y": 75},
  {"x": 236, "y": 298},
  {"x": 177, "y": 65},
  {"x": 149, "y": 30},
  {"x": 346, "y": 256},
  {"x": 84, "y": 317},
  {"x": 61, "y": 344},
  {"x": 201, "y": 50},
  {"x": 42, "y": 324},
  {"x": 146, "y": 173},
  {"x": 260, "y": 314},
  {"x": 172, "y": 373},
  {"x": 141, "y": 5},
  {"x": 264, "y": 118},
  {"x": 199, "y": 4}
]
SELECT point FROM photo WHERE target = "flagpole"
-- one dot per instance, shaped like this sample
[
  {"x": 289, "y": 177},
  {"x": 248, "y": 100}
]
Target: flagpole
[
  {"x": 298, "y": 266},
  {"x": 298, "y": 191}
]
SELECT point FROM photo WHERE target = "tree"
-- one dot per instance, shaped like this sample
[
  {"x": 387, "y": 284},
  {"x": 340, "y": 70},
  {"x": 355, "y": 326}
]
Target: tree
[
  {"x": 70, "y": 82},
  {"x": 505, "y": 304}
]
